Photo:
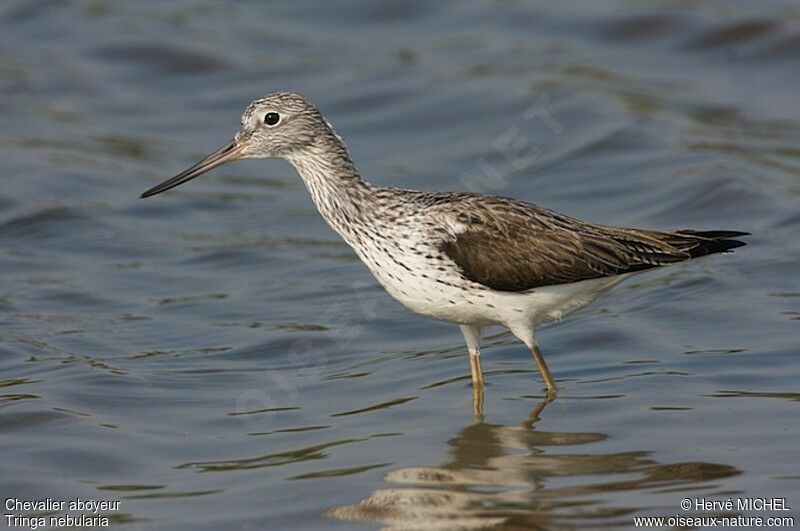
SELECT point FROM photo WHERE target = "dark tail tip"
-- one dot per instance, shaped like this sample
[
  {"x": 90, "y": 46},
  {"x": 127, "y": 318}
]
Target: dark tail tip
[{"x": 714, "y": 241}]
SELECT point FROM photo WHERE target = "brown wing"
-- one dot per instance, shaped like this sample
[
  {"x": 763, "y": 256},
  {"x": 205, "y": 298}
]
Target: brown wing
[{"x": 508, "y": 245}]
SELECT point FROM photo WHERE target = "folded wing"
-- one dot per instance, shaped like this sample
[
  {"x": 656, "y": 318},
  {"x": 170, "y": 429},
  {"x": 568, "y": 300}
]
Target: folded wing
[{"x": 509, "y": 245}]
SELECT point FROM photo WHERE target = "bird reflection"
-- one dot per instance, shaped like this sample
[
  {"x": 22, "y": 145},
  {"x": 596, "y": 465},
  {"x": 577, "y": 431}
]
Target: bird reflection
[
  {"x": 477, "y": 406},
  {"x": 516, "y": 477}
]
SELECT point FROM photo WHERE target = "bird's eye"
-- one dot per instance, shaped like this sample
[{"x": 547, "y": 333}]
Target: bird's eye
[{"x": 271, "y": 118}]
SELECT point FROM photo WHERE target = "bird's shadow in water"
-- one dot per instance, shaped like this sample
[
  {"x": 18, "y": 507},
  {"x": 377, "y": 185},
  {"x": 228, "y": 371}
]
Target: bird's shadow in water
[{"x": 518, "y": 477}]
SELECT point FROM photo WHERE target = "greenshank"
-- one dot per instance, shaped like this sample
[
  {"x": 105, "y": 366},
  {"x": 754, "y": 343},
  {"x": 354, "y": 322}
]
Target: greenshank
[{"x": 470, "y": 259}]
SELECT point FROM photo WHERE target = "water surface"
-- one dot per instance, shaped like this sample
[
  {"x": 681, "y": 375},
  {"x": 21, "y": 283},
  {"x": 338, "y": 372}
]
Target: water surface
[{"x": 216, "y": 357}]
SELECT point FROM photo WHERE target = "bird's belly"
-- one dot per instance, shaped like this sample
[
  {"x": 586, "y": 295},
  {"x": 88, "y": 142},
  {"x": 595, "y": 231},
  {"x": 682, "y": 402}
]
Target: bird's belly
[
  {"x": 436, "y": 290},
  {"x": 446, "y": 303},
  {"x": 551, "y": 303},
  {"x": 466, "y": 305}
]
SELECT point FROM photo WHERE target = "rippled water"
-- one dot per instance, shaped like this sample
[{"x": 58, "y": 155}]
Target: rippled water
[{"x": 216, "y": 358}]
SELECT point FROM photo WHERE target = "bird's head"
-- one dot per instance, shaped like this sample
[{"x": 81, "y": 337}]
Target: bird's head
[{"x": 278, "y": 125}]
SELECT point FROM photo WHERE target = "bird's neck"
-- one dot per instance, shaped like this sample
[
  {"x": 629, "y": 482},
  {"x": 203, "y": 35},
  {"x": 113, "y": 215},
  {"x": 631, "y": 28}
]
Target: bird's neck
[{"x": 333, "y": 181}]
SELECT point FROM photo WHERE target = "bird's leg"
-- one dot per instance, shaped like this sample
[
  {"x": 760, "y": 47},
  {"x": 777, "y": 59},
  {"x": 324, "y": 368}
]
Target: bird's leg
[
  {"x": 472, "y": 335},
  {"x": 524, "y": 332},
  {"x": 546, "y": 376},
  {"x": 475, "y": 367},
  {"x": 477, "y": 402}
]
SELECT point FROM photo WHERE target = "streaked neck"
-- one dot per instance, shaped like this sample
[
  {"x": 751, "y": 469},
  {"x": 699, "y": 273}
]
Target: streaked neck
[{"x": 333, "y": 181}]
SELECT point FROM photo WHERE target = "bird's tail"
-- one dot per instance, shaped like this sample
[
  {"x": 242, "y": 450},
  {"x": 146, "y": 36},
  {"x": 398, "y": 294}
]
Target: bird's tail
[{"x": 713, "y": 241}]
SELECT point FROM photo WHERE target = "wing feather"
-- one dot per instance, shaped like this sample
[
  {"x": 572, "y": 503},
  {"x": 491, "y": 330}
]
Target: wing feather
[{"x": 510, "y": 245}]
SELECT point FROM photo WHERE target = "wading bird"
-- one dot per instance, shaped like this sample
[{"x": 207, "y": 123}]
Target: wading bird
[{"x": 470, "y": 259}]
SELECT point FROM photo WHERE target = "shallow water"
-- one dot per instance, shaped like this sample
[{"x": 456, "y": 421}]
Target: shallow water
[{"x": 216, "y": 357}]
